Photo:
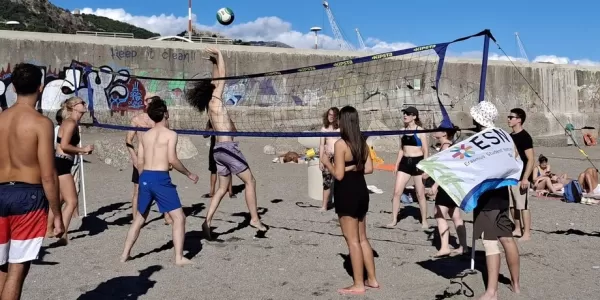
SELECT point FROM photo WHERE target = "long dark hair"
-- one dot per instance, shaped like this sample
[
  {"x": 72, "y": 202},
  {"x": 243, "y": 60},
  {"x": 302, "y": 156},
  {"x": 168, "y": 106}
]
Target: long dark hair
[
  {"x": 200, "y": 94},
  {"x": 335, "y": 122},
  {"x": 350, "y": 132}
]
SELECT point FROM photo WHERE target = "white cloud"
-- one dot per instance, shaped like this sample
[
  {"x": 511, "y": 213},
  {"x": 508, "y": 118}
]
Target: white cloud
[
  {"x": 565, "y": 60},
  {"x": 261, "y": 29},
  {"x": 276, "y": 29}
]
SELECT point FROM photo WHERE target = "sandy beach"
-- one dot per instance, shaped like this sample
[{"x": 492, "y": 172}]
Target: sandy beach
[{"x": 303, "y": 255}]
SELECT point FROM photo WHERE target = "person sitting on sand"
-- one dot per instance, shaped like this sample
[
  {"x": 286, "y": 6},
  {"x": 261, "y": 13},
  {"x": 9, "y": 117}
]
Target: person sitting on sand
[
  {"x": 287, "y": 157},
  {"x": 544, "y": 180},
  {"x": 589, "y": 181}
]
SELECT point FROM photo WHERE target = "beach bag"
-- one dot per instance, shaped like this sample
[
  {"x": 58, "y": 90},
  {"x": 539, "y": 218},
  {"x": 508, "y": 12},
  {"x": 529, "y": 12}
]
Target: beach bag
[{"x": 573, "y": 192}]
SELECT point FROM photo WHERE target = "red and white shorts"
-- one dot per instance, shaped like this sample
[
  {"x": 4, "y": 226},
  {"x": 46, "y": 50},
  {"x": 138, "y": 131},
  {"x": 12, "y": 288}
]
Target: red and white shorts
[{"x": 23, "y": 218}]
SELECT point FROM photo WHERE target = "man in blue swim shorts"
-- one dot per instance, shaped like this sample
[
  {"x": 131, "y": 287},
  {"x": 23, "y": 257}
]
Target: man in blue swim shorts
[{"x": 156, "y": 151}]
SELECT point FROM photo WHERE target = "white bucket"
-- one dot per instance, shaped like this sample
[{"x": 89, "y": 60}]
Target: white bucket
[{"x": 315, "y": 180}]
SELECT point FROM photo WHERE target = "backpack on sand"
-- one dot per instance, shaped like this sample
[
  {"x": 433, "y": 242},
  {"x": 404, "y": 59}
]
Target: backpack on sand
[{"x": 573, "y": 192}]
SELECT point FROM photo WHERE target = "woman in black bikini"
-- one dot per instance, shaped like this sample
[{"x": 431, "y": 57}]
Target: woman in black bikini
[
  {"x": 66, "y": 149},
  {"x": 413, "y": 149},
  {"x": 351, "y": 163},
  {"x": 445, "y": 206}
]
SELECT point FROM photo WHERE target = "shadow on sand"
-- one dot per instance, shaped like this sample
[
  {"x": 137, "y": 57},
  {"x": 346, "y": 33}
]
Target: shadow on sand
[
  {"x": 455, "y": 269},
  {"x": 347, "y": 264},
  {"x": 124, "y": 287}
]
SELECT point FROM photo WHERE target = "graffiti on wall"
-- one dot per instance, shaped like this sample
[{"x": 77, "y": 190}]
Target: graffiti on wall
[
  {"x": 109, "y": 89},
  {"x": 114, "y": 88}
]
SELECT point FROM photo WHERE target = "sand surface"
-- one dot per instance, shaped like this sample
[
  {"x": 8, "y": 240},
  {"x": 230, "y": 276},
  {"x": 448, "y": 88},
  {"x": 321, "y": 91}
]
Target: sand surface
[{"x": 303, "y": 255}]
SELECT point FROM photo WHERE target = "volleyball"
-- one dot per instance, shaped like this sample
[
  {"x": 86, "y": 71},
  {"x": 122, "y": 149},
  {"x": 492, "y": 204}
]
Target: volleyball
[{"x": 225, "y": 16}]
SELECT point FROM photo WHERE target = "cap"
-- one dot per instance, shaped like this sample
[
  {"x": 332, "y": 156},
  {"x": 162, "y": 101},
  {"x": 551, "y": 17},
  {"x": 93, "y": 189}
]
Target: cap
[{"x": 411, "y": 110}]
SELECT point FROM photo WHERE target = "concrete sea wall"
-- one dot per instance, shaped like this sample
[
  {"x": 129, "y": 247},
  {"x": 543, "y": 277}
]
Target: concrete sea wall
[{"x": 293, "y": 102}]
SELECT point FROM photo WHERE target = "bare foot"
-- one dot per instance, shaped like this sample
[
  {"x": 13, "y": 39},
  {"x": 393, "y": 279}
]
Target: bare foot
[
  {"x": 425, "y": 225},
  {"x": 352, "y": 290},
  {"x": 323, "y": 209},
  {"x": 183, "y": 261},
  {"x": 50, "y": 233},
  {"x": 372, "y": 284},
  {"x": 515, "y": 288},
  {"x": 525, "y": 238},
  {"x": 442, "y": 253},
  {"x": 124, "y": 258},
  {"x": 258, "y": 225},
  {"x": 391, "y": 225},
  {"x": 459, "y": 251},
  {"x": 488, "y": 296}
]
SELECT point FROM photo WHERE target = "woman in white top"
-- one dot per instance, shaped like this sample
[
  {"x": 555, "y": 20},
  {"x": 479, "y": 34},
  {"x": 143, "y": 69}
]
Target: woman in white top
[{"x": 330, "y": 124}]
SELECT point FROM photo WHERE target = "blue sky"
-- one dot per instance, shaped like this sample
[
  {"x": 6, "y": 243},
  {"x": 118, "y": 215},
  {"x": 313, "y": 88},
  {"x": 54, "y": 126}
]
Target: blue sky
[{"x": 550, "y": 30}]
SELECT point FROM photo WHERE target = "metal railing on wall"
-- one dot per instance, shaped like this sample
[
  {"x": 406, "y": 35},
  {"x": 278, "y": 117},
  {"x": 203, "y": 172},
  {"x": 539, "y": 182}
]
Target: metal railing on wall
[
  {"x": 106, "y": 34},
  {"x": 195, "y": 39}
]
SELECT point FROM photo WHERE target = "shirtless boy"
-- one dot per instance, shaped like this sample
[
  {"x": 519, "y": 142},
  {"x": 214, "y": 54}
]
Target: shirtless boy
[
  {"x": 156, "y": 151},
  {"x": 142, "y": 121},
  {"x": 207, "y": 96},
  {"x": 28, "y": 181}
]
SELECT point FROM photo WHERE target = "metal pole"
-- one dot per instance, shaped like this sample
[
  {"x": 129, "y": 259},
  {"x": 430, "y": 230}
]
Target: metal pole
[
  {"x": 190, "y": 19},
  {"x": 484, "y": 65}
]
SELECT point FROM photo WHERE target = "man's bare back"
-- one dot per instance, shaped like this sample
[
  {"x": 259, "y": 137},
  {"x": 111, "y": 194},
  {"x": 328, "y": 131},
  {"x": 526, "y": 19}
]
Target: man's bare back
[
  {"x": 20, "y": 159},
  {"x": 28, "y": 181},
  {"x": 156, "y": 147}
]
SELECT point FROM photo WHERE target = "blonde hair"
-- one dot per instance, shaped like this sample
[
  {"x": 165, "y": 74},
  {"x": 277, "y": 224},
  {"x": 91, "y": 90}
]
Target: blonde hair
[{"x": 67, "y": 106}]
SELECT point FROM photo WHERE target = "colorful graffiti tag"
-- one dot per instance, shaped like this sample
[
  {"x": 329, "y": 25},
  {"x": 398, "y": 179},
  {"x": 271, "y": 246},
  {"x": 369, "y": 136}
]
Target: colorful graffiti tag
[{"x": 106, "y": 89}]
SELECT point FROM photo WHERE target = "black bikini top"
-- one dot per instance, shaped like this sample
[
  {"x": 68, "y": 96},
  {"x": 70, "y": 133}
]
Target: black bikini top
[
  {"x": 75, "y": 138},
  {"x": 411, "y": 140}
]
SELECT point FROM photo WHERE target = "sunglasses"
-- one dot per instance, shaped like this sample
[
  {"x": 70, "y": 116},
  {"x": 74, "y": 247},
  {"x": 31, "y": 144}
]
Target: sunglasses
[
  {"x": 512, "y": 117},
  {"x": 408, "y": 114}
]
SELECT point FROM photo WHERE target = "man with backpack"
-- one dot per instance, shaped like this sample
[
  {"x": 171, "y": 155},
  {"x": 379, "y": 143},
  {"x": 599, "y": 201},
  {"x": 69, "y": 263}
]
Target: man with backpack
[{"x": 519, "y": 205}]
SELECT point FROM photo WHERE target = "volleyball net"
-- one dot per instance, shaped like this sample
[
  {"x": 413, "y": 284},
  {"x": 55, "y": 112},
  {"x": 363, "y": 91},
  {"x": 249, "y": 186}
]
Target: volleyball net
[{"x": 292, "y": 102}]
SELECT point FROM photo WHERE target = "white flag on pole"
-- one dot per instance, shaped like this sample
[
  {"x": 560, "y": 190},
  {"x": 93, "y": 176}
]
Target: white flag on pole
[{"x": 487, "y": 160}]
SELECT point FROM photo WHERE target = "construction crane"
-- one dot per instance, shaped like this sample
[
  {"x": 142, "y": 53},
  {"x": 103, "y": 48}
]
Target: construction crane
[
  {"x": 337, "y": 33},
  {"x": 521, "y": 47},
  {"x": 361, "y": 42}
]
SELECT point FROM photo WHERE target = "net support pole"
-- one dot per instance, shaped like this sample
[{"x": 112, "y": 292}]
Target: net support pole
[
  {"x": 473, "y": 252},
  {"x": 482, "y": 80},
  {"x": 82, "y": 179},
  {"x": 484, "y": 65}
]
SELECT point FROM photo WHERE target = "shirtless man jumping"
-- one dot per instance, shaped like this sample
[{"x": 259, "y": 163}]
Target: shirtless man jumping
[
  {"x": 207, "y": 96},
  {"x": 156, "y": 151},
  {"x": 142, "y": 121},
  {"x": 28, "y": 181}
]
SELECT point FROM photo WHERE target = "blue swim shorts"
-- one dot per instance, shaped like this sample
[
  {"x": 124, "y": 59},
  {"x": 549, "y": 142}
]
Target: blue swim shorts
[{"x": 157, "y": 185}]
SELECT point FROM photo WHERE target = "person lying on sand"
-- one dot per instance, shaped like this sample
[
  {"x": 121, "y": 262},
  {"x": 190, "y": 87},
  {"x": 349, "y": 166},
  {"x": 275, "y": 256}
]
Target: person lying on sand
[{"x": 589, "y": 181}]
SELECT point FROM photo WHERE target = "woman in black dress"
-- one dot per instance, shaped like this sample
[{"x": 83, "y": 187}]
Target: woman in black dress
[
  {"x": 351, "y": 163},
  {"x": 444, "y": 206}
]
